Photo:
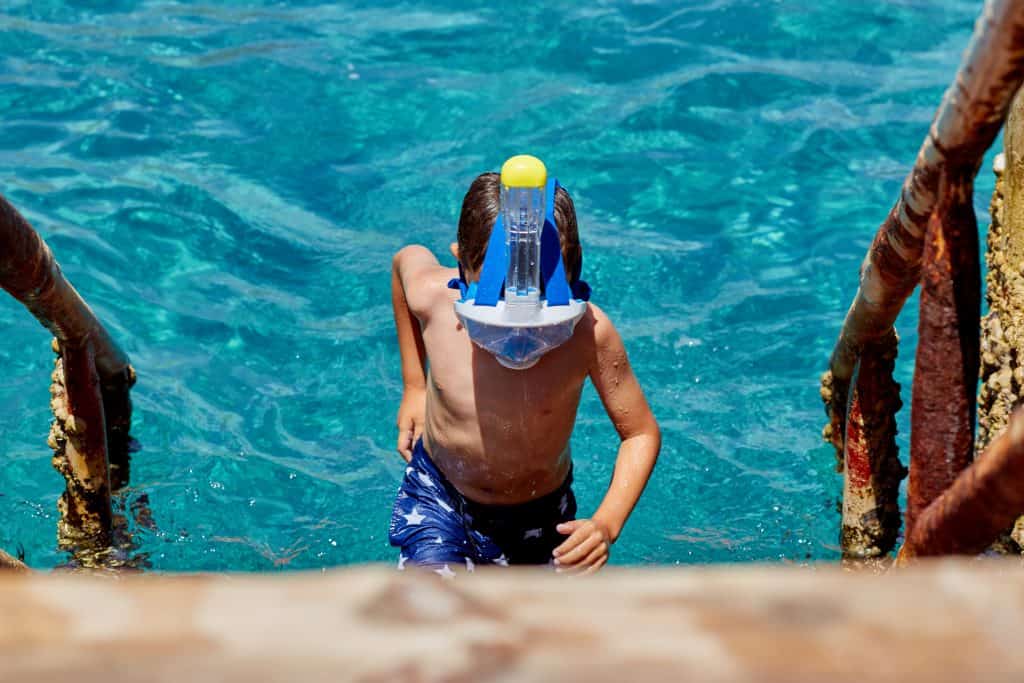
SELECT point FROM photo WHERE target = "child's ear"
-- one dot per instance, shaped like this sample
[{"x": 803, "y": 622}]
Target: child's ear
[{"x": 454, "y": 247}]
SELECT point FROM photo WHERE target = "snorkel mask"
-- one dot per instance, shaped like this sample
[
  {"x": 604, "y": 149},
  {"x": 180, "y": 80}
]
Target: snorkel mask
[{"x": 523, "y": 306}]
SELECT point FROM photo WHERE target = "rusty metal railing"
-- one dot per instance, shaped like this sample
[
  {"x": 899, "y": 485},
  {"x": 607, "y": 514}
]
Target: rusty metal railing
[
  {"x": 90, "y": 384},
  {"x": 929, "y": 237}
]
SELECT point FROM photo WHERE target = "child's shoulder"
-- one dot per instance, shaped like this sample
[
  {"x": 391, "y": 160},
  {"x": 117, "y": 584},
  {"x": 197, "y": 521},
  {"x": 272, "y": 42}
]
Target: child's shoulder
[
  {"x": 424, "y": 279},
  {"x": 599, "y": 322},
  {"x": 606, "y": 344}
]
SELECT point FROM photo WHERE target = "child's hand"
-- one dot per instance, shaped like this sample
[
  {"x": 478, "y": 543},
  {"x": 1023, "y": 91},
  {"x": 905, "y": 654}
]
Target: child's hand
[
  {"x": 586, "y": 549},
  {"x": 410, "y": 420}
]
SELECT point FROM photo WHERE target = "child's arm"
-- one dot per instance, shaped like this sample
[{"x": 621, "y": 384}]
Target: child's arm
[
  {"x": 406, "y": 265},
  {"x": 586, "y": 549}
]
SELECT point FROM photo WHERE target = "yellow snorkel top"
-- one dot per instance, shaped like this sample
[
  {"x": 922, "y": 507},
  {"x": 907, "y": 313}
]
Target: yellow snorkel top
[{"x": 524, "y": 170}]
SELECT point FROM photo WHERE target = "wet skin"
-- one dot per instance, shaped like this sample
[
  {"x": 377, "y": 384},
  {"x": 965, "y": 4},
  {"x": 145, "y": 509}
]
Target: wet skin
[{"x": 501, "y": 436}]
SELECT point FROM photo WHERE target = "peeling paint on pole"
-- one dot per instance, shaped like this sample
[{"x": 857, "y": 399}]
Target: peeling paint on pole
[{"x": 871, "y": 513}]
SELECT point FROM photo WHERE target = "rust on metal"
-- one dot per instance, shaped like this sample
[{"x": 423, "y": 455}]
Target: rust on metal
[
  {"x": 78, "y": 434},
  {"x": 90, "y": 388},
  {"x": 980, "y": 504},
  {"x": 946, "y": 368},
  {"x": 968, "y": 119},
  {"x": 871, "y": 513},
  {"x": 117, "y": 413},
  {"x": 30, "y": 273}
]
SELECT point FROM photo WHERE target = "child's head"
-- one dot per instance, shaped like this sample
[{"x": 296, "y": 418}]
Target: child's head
[{"x": 480, "y": 210}]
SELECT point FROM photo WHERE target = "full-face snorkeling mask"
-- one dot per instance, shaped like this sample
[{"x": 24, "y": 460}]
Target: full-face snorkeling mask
[{"x": 523, "y": 306}]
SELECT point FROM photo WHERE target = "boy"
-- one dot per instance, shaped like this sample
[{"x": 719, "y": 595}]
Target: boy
[{"x": 489, "y": 470}]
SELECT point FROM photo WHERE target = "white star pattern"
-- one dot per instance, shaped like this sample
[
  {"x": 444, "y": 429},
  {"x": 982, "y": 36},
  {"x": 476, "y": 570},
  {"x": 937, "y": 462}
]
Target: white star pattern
[
  {"x": 439, "y": 540},
  {"x": 444, "y": 506},
  {"x": 470, "y": 567},
  {"x": 502, "y": 561},
  {"x": 445, "y": 572},
  {"x": 409, "y": 470},
  {"x": 532, "y": 533},
  {"x": 425, "y": 478},
  {"x": 402, "y": 559},
  {"x": 414, "y": 518}
]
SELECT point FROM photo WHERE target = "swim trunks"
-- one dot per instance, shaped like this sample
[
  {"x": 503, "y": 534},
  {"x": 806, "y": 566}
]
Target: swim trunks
[{"x": 436, "y": 526}]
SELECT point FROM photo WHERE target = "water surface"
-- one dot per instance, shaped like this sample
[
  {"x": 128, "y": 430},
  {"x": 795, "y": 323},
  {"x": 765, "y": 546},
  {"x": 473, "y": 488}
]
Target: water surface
[{"x": 226, "y": 183}]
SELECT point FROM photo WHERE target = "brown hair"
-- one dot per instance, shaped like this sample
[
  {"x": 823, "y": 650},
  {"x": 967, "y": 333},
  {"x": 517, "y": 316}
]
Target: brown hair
[{"x": 480, "y": 209}]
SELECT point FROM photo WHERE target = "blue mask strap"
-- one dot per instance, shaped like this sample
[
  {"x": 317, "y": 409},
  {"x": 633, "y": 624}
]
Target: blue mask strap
[
  {"x": 492, "y": 274},
  {"x": 552, "y": 270},
  {"x": 580, "y": 289},
  {"x": 465, "y": 289}
]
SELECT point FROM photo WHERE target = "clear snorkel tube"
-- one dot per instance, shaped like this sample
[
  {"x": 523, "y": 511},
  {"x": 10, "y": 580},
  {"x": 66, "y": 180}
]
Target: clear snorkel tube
[{"x": 523, "y": 179}]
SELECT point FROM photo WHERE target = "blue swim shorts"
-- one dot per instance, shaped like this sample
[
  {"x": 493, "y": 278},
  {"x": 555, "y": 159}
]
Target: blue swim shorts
[{"x": 436, "y": 526}]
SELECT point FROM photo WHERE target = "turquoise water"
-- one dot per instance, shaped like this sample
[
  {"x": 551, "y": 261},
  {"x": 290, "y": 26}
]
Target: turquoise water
[{"x": 226, "y": 183}]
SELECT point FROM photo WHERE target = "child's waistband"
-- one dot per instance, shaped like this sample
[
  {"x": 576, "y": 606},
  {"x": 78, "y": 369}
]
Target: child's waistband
[{"x": 548, "y": 501}]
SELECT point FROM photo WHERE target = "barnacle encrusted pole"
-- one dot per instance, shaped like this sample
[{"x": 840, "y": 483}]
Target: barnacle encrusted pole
[
  {"x": 934, "y": 200},
  {"x": 1002, "y": 339},
  {"x": 1002, "y": 329},
  {"x": 91, "y": 382},
  {"x": 871, "y": 513}
]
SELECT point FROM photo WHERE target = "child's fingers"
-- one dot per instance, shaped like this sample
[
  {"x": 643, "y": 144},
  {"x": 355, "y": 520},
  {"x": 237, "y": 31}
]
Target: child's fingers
[
  {"x": 586, "y": 547},
  {"x": 404, "y": 445},
  {"x": 568, "y": 544},
  {"x": 601, "y": 551},
  {"x": 404, "y": 429},
  {"x": 594, "y": 567},
  {"x": 598, "y": 557},
  {"x": 567, "y": 528}
]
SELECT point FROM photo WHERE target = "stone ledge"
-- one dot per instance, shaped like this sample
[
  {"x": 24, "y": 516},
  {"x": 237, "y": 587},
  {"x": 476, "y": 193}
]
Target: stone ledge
[{"x": 941, "y": 621}]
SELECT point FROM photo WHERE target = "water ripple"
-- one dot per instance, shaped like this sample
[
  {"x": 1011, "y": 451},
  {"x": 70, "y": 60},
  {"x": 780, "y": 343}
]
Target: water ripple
[{"x": 226, "y": 184}]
